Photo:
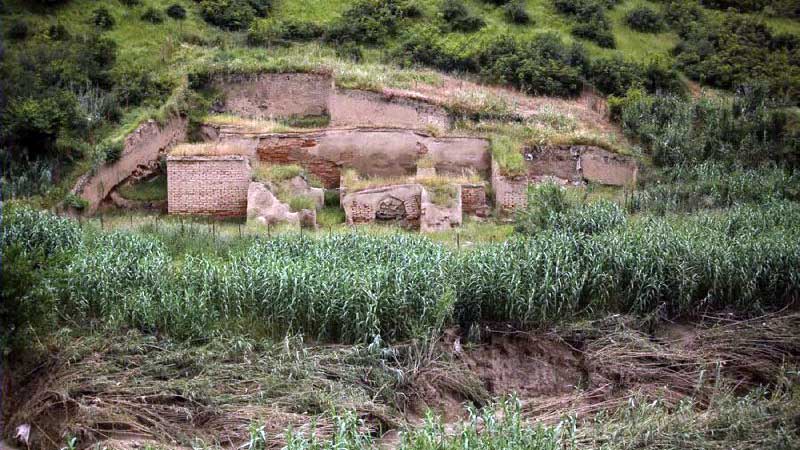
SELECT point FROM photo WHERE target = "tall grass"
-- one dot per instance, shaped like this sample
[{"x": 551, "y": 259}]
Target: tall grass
[{"x": 352, "y": 287}]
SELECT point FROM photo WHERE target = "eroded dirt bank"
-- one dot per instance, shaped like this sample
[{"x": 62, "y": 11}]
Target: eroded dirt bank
[{"x": 124, "y": 389}]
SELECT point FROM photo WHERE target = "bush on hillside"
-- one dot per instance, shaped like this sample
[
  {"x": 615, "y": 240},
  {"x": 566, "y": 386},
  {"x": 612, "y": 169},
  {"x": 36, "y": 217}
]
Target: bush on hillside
[
  {"x": 592, "y": 21},
  {"x": 271, "y": 32},
  {"x": 598, "y": 30},
  {"x": 683, "y": 15},
  {"x": 458, "y": 17},
  {"x": 747, "y": 129},
  {"x": 152, "y": 15},
  {"x": 515, "y": 12},
  {"x": 368, "y": 21},
  {"x": 176, "y": 11},
  {"x": 645, "y": 20},
  {"x": 102, "y": 18},
  {"x": 738, "y": 5},
  {"x": 131, "y": 3},
  {"x": 58, "y": 32},
  {"x": 738, "y": 50},
  {"x": 233, "y": 14},
  {"x": 17, "y": 30}
]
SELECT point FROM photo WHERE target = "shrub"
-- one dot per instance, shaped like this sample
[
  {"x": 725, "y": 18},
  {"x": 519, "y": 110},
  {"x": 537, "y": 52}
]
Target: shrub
[
  {"x": 738, "y": 5},
  {"x": 615, "y": 75},
  {"x": 543, "y": 65},
  {"x": 176, "y": 12},
  {"x": 350, "y": 51},
  {"x": 134, "y": 86},
  {"x": 269, "y": 32},
  {"x": 645, "y": 19},
  {"x": 515, "y": 12},
  {"x": 597, "y": 30},
  {"x": 17, "y": 30},
  {"x": 301, "y": 202},
  {"x": 131, "y": 3},
  {"x": 102, "y": 18},
  {"x": 233, "y": 14},
  {"x": 368, "y": 21},
  {"x": 459, "y": 18},
  {"x": 58, "y": 32},
  {"x": 112, "y": 150},
  {"x": 738, "y": 50},
  {"x": 152, "y": 15},
  {"x": 550, "y": 208}
]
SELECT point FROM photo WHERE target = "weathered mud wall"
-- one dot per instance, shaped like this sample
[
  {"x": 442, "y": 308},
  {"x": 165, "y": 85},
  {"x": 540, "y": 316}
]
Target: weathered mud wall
[
  {"x": 268, "y": 95},
  {"x": 141, "y": 149},
  {"x": 364, "y": 108},
  {"x": 213, "y": 186},
  {"x": 570, "y": 164},
  {"x": 578, "y": 163},
  {"x": 372, "y": 152},
  {"x": 435, "y": 217}
]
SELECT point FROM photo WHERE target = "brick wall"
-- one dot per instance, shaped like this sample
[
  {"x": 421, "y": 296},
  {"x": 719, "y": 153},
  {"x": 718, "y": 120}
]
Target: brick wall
[
  {"x": 212, "y": 186},
  {"x": 473, "y": 200},
  {"x": 510, "y": 193}
]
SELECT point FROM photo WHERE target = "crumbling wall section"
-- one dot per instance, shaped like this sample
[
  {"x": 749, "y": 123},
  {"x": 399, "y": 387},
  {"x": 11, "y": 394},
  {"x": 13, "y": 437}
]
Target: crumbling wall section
[
  {"x": 435, "y": 217},
  {"x": 397, "y": 203},
  {"x": 510, "y": 193},
  {"x": 473, "y": 200},
  {"x": 350, "y": 107},
  {"x": 208, "y": 185},
  {"x": 141, "y": 150},
  {"x": 267, "y": 95}
]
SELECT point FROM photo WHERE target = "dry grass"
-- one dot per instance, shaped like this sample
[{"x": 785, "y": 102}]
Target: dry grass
[
  {"x": 208, "y": 149},
  {"x": 353, "y": 182},
  {"x": 250, "y": 125}
]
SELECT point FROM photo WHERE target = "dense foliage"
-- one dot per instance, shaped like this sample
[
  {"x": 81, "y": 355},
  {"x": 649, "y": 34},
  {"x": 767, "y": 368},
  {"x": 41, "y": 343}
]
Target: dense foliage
[
  {"x": 749, "y": 128},
  {"x": 645, "y": 19},
  {"x": 738, "y": 49},
  {"x": 351, "y": 287},
  {"x": 233, "y": 14}
]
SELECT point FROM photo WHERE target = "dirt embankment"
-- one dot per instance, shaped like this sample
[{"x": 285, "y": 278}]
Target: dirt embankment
[
  {"x": 141, "y": 149},
  {"x": 136, "y": 388}
]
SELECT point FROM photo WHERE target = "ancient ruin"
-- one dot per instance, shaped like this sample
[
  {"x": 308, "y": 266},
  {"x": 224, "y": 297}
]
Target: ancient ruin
[{"x": 398, "y": 141}]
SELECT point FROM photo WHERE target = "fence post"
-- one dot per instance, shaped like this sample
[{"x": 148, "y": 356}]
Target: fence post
[{"x": 458, "y": 240}]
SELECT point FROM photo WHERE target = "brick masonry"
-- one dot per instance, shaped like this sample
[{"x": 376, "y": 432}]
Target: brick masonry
[
  {"x": 212, "y": 186},
  {"x": 473, "y": 200}
]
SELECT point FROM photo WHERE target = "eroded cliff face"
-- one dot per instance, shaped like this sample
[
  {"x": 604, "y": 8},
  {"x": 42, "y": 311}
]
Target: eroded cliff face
[
  {"x": 275, "y": 95},
  {"x": 142, "y": 147},
  {"x": 565, "y": 164},
  {"x": 373, "y": 152}
]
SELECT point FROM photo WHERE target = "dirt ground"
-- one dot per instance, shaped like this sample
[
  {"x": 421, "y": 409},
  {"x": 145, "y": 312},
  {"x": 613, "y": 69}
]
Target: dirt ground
[{"x": 132, "y": 390}]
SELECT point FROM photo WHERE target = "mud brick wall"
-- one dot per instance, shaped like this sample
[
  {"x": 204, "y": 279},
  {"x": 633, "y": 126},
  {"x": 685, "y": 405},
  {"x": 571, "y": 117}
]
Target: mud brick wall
[
  {"x": 275, "y": 94},
  {"x": 211, "y": 186},
  {"x": 510, "y": 193},
  {"x": 473, "y": 200},
  {"x": 355, "y": 107}
]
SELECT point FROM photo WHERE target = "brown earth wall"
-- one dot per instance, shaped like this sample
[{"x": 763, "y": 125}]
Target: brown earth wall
[
  {"x": 373, "y": 152},
  {"x": 141, "y": 149},
  {"x": 365, "y": 108},
  {"x": 269, "y": 95}
]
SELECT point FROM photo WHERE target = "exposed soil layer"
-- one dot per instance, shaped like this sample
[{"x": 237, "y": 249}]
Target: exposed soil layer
[{"x": 129, "y": 389}]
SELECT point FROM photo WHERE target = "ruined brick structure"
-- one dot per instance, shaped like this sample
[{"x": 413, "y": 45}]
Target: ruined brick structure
[
  {"x": 566, "y": 164},
  {"x": 398, "y": 203},
  {"x": 473, "y": 200},
  {"x": 372, "y": 152},
  {"x": 208, "y": 185}
]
